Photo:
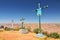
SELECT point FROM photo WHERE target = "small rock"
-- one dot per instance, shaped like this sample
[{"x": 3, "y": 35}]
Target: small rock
[{"x": 23, "y": 31}]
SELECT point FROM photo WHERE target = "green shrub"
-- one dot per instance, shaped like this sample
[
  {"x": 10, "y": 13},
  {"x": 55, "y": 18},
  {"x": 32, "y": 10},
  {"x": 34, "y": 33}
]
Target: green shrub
[
  {"x": 29, "y": 28},
  {"x": 8, "y": 29},
  {"x": 45, "y": 33},
  {"x": 36, "y": 30},
  {"x": 54, "y": 35},
  {"x": 59, "y": 35},
  {"x": 22, "y": 27},
  {"x": 16, "y": 29},
  {"x": 1, "y": 26}
]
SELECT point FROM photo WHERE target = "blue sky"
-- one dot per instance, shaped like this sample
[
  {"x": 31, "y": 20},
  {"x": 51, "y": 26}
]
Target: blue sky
[{"x": 16, "y": 9}]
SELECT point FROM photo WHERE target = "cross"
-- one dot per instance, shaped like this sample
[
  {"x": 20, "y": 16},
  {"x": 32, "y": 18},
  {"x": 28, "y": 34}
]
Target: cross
[
  {"x": 22, "y": 19},
  {"x": 39, "y": 12},
  {"x": 12, "y": 23}
]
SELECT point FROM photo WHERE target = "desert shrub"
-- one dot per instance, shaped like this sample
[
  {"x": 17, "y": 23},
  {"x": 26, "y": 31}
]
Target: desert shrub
[
  {"x": 1, "y": 26},
  {"x": 45, "y": 33},
  {"x": 36, "y": 30},
  {"x": 59, "y": 35},
  {"x": 16, "y": 29},
  {"x": 7, "y": 29},
  {"x": 22, "y": 27},
  {"x": 29, "y": 28},
  {"x": 54, "y": 35}
]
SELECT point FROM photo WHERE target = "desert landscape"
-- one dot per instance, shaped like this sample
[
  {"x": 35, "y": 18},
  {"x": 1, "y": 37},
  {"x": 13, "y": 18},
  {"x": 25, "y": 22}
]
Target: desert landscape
[
  {"x": 16, "y": 35},
  {"x": 29, "y": 20}
]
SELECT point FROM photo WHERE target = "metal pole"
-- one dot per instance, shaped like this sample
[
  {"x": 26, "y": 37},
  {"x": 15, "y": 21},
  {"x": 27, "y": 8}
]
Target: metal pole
[
  {"x": 12, "y": 23},
  {"x": 39, "y": 24},
  {"x": 22, "y": 25}
]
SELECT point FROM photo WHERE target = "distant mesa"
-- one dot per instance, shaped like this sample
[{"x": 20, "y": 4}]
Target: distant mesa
[{"x": 46, "y": 27}]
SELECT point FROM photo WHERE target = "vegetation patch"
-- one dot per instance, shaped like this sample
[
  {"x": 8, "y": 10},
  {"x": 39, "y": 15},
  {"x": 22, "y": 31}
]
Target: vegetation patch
[
  {"x": 8, "y": 29},
  {"x": 29, "y": 28},
  {"x": 36, "y": 30},
  {"x": 54, "y": 35},
  {"x": 16, "y": 29}
]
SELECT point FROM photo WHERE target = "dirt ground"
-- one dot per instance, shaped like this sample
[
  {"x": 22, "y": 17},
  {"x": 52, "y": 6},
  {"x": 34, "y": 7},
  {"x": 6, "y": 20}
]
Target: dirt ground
[{"x": 15, "y": 35}]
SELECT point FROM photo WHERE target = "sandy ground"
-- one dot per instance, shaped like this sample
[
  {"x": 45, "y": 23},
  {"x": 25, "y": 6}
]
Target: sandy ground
[{"x": 15, "y": 35}]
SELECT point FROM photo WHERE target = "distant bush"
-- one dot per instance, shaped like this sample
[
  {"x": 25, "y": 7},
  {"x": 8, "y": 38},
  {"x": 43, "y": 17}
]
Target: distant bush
[
  {"x": 22, "y": 27},
  {"x": 7, "y": 29},
  {"x": 29, "y": 28},
  {"x": 16, "y": 29},
  {"x": 54, "y": 35},
  {"x": 36, "y": 30},
  {"x": 1, "y": 26}
]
